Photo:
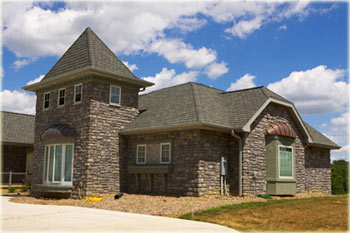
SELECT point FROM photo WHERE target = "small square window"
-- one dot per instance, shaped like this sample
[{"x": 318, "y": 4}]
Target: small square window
[
  {"x": 61, "y": 97},
  {"x": 165, "y": 153},
  {"x": 114, "y": 95},
  {"x": 46, "y": 104},
  {"x": 78, "y": 93},
  {"x": 141, "y": 154}
]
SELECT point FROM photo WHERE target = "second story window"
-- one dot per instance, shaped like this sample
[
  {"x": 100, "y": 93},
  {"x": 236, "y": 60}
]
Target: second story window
[
  {"x": 78, "y": 93},
  {"x": 46, "y": 104},
  {"x": 114, "y": 95},
  {"x": 141, "y": 154},
  {"x": 165, "y": 153},
  {"x": 61, "y": 96}
]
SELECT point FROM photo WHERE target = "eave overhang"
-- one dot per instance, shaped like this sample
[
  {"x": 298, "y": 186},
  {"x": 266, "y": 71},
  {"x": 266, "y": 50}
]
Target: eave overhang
[{"x": 88, "y": 70}]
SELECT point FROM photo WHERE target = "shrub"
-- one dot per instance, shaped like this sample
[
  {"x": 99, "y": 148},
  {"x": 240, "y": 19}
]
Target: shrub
[
  {"x": 11, "y": 189},
  {"x": 339, "y": 176}
]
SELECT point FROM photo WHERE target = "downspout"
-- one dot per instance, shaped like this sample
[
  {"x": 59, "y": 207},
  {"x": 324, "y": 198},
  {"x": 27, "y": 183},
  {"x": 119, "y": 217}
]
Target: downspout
[{"x": 239, "y": 161}]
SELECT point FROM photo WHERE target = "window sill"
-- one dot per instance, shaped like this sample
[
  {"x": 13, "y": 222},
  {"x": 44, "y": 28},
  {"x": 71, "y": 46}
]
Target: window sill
[
  {"x": 115, "y": 105},
  {"x": 77, "y": 103},
  {"x": 54, "y": 188}
]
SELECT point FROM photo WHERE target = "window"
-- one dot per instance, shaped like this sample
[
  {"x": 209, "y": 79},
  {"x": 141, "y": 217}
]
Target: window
[
  {"x": 286, "y": 162},
  {"x": 165, "y": 153},
  {"x": 61, "y": 96},
  {"x": 114, "y": 95},
  {"x": 58, "y": 164},
  {"x": 46, "y": 104},
  {"x": 78, "y": 93},
  {"x": 141, "y": 154}
]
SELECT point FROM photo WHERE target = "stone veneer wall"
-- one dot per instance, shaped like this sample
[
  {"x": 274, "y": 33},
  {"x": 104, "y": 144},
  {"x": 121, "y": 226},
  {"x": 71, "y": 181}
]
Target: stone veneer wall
[
  {"x": 254, "y": 150},
  {"x": 318, "y": 169},
  {"x": 95, "y": 163},
  {"x": 13, "y": 159},
  {"x": 195, "y": 160},
  {"x": 105, "y": 122}
]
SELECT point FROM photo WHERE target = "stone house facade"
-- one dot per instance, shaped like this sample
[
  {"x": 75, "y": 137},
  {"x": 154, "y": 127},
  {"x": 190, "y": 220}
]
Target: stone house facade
[{"x": 95, "y": 135}]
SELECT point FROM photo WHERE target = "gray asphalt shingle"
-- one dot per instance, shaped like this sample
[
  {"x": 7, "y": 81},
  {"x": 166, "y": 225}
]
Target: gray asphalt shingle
[{"x": 17, "y": 128}]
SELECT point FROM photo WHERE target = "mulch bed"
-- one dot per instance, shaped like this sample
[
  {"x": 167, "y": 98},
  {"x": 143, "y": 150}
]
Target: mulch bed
[{"x": 149, "y": 204}]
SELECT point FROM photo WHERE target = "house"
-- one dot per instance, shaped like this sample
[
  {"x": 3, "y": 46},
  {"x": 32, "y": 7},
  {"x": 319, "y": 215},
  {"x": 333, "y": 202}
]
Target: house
[
  {"x": 17, "y": 141},
  {"x": 95, "y": 134}
]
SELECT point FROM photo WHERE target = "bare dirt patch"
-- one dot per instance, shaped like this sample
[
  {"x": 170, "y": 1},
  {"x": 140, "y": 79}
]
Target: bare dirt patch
[{"x": 148, "y": 204}]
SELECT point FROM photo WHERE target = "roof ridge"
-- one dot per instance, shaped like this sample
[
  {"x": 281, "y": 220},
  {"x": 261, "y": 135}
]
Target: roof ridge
[
  {"x": 90, "y": 53},
  {"x": 181, "y": 84},
  {"x": 18, "y": 113},
  {"x": 246, "y": 89},
  {"x": 201, "y": 84},
  {"x": 195, "y": 102}
]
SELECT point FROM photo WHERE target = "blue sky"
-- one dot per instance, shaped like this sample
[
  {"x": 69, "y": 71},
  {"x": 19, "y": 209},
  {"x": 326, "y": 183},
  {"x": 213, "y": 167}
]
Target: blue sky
[{"x": 297, "y": 49}]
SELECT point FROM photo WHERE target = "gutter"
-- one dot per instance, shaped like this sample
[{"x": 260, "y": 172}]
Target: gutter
[{"x": 239, "y": 161}]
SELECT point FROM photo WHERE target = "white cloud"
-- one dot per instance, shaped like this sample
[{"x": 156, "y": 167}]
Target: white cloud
[
  {"x": 131, "y": 67},
  {"x": 168, "y": 78},
  {"x": 323, "y": 125},
  {"x": 176, "y": 51},
  {"x": 17, "y": 101},
  {"x": 245, "y": 27},
  {"x": 20, "y": 63},
  {"x": 215, "y": 70},
  {"x": 247, "y": 81},
  {"x": 315, "y": 91},
  {"x": 341, "y": 123},
  {"x": 342, "y": 153},
  {"x": 283, "y": 28},
  {"x": 38, "y": 79}
]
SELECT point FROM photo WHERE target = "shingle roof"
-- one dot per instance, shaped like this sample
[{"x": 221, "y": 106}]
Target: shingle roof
[
  {"x": 17, "y": 128},
  {"x": 319, "y": 138},
  {"x": 192, "y": 103},
  {"x": 89, "y": 50}
]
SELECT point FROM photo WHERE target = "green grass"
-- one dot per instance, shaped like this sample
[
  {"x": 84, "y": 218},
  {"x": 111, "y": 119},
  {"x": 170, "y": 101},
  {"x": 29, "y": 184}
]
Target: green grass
[{"x": 307, "y": 214}]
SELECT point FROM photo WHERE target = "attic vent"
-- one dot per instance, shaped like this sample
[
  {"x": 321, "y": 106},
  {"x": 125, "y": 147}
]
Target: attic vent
[
  {"x": 280, "y": 129},
  {"x": 58, "y": 131}
]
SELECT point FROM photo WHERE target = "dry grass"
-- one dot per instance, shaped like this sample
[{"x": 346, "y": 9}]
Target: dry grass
[{"x": 309, "y": 214}]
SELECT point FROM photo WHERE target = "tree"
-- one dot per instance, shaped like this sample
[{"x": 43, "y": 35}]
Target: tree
[{"x": 340, "y": 177}]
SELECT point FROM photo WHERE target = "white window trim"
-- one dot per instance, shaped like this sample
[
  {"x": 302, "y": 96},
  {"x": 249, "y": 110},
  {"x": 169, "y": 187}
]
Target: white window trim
[
  {"x": 279, "y": 164},
  {"x": 110, "y": 95},
  {"x": 137, "y": 153},
  {"x": 45, "y": 176},
  {"x": 78, "y": 102},
  {"x": 58, "y": 97},
  {"x": 166, "y": 143},
  {"x": 44, "y": 100}
]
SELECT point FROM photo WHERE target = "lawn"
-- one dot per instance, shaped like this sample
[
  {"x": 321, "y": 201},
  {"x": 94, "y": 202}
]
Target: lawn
[{"x": 307, "y": 214}]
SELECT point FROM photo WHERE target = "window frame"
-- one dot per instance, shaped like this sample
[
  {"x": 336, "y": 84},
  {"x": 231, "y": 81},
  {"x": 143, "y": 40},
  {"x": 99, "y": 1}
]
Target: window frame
[
  {"x": 161, "y": 151},
  {"x": 110, "y": 95},
  {"x": 75, "y": 93},
  {"x": 58, "y": 97},
  {"x": 63, "y": 160},
  {"x": 44, "y": 100},
  {"x": 137, "y": 153},
  {"x": 279, "y": 163}
]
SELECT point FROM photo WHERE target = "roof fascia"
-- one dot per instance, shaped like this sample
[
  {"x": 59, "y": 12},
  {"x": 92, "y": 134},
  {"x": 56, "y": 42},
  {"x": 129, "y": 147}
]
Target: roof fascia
[
  {"x": 247, "y": 126},
  {"x": 177, "y": 127},
  {"x": 324, "y": 146},
  {"x": 68, "y": 76}
]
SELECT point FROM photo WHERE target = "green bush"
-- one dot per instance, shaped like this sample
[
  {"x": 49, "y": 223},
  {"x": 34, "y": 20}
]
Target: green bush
[
  {"x": 11, "y": 189},
  {"x": 339, "y": 175},
  {"x": 25, "y": 187}
]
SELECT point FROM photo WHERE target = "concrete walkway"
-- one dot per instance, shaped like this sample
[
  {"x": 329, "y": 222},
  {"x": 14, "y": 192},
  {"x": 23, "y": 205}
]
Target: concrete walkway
[{"x": 27, "y": 217}]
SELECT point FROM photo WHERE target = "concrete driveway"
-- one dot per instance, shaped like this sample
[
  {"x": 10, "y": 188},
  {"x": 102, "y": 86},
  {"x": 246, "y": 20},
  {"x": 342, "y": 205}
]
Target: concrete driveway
[{"x": 28, "y": 217}]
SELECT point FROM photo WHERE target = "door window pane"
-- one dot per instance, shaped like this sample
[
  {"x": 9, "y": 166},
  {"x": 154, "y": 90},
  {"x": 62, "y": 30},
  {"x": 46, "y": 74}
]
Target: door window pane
[
  {"x": 58, "y": 162},
  {"x": 51, "y": 162},
  {"x": 68, "y": 163}
]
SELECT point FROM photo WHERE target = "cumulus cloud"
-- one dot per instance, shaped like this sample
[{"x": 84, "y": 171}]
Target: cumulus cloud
[
  {"x": 282, "y": 28},
  {"x": 176, "y": 51},
  {"x": 20, "y": 63},
  {"x": 247, "y": 81},
  {"x": 315, "y": 91},
  {"x": 17, "y": 101},
  {"x": 216, "y": 69},
  {"x": 343, "y": 153},
  {"x": 38, "y": 79},
  {"x": 245, "y": 27},
  {"x": 168, "y": 78},
  {"x": 341, "y": 123},
  {"x": 131, "y": 67}
]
